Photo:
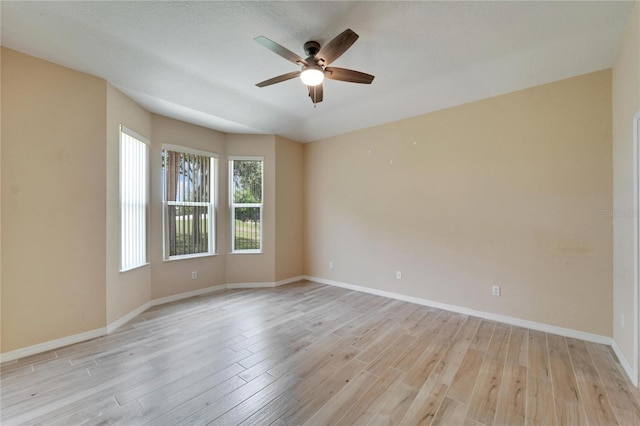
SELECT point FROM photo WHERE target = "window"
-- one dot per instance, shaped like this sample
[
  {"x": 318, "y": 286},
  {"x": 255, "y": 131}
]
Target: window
[
  {"x": 189, "y": 208},
  {"x": 133, "y": 199},
  {"x": 246, "y": 204}
]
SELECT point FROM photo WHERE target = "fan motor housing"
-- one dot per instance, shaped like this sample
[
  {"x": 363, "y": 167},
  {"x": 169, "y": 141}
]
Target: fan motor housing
[{"x": 311, "y": 48}]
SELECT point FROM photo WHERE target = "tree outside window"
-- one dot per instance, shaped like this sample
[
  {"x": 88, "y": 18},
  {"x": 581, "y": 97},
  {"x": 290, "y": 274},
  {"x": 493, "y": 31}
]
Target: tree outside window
[
  {"x": 246, "y": 190},
  {"x": 188, "y": 198}
]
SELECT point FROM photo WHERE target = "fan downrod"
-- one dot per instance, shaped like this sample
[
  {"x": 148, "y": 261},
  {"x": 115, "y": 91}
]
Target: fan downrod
[{"x": 311, "y": 48}]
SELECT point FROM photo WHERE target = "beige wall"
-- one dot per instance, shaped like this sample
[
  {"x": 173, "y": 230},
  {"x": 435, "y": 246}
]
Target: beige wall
[
  {"x": 53, "y": 200},
  {"x": 289, "y": 204},
  {"x": 1, "y": 347},
  {"x": 247, "y": 267},
  {"x": 128, "y": 290},
  {"x": 60, "y": 186},
  {"x": 174, "y": 277},
  {"x": 626, "y": 103},
  {"x": 510, "y": 190}
]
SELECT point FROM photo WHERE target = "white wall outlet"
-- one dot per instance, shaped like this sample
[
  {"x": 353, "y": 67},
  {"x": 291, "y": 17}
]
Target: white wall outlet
[
  {"x": 496, "y": 290},
  {"x": 621, "y": 320},
  {"x": 194, "y": 275},
  {"x": 331, "y": 264},
  {"x": 398, "y": 275}
]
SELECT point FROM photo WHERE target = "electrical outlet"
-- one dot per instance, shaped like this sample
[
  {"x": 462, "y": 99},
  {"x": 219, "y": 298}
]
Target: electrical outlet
[
  {"x": 398, "y": 275},
  {"x": 331, "y": 264},
  {"x": 496, "y": 290},
  {"x": 194, "y": 275},
  {"x": 621, "y": 320}
]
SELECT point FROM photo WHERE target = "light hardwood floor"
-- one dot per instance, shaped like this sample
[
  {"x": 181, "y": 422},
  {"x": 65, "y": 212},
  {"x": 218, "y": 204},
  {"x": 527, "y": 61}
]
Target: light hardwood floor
[{"x": 312, "y": 354}]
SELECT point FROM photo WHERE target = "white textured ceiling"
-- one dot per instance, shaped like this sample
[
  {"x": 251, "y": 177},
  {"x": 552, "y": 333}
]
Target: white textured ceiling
[{"x": 198, "y": 62}]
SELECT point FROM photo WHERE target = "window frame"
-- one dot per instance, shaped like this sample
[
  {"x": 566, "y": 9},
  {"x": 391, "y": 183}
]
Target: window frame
[
  {"x": 123, "y": 130},
  {"x": 212, "y": 204},
  {"x": 233, "y": 205}
]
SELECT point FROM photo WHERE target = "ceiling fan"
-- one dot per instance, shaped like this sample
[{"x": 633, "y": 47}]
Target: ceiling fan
[{"x": 314, "y": 68}]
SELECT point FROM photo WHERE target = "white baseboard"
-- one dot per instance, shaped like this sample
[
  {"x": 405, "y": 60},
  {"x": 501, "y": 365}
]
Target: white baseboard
[
  {"x": 633, "y": 375},
  {"x": 76, "y": 338},
  {"x": 126, "y": 318},
  {"x": 251, "y": 285},
  {"x": 52, "y": 344},
  {"x": 290, "y": 280},
  {"x": 180, "y": 296},
  {"x": 186, "y": 295},
  {"x": 567, "y": 332},
  {"x": 268, "y": 284}
]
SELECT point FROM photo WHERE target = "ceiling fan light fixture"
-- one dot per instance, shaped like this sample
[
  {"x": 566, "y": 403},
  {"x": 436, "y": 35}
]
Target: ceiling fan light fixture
[
  {"x": 316, "y": 66},
  {"x": 312, "y": 75}
]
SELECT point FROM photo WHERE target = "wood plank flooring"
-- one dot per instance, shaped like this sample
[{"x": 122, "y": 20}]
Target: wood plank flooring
[{"x": 310, "y": 354}]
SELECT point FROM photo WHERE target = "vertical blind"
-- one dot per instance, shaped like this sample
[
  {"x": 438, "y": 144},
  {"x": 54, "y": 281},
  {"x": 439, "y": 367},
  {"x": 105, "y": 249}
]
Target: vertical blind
[{"x": 133, "y": 199}]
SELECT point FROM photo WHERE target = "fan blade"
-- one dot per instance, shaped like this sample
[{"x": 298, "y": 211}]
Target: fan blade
[
  {"x": 336, "y": 47},
  {"x": 278, "y": 79},
  {"x": 351, "y": 76},
  {"x": 280, "y": 50},
  {"x": 315, "y": 93}
]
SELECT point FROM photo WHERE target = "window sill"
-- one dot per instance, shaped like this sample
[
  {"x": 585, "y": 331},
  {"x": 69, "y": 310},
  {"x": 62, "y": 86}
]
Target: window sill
[
  {"x": 134, "y": 268},
  {"x": 189, "y": 256},
  {"x": 247, "y": 252}
]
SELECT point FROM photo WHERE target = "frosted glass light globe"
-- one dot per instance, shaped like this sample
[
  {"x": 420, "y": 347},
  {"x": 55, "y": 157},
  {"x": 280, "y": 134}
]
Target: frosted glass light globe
[{"x": 312, "y": 75}]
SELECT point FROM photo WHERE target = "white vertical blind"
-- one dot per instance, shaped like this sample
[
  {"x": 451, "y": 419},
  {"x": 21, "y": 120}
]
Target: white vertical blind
[{"x": 133, "y": 199}]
